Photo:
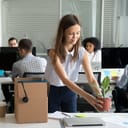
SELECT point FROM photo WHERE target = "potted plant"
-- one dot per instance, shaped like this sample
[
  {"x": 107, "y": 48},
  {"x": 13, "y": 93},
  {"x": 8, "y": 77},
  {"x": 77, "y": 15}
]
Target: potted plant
[{"x": 105, "y": 86}]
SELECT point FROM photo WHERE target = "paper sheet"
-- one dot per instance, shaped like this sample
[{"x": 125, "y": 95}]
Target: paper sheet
[
  {"x": 59, "y": 115},
  {"x": 117, "y": 120}
]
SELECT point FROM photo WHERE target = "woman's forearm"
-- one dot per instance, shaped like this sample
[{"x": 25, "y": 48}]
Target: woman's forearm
[{"x": 75, "y": 88}]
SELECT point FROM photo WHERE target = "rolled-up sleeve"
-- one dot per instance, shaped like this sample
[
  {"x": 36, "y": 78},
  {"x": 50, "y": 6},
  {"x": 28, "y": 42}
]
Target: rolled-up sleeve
[{"x": 15, "y": 70}]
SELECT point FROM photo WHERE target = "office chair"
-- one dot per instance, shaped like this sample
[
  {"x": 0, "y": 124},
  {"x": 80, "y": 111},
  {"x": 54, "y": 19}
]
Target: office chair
[
  {"x": 82, "y": 105},
  {"x": 34, "y": 74},
  {"x": 120, "y": 98},
  {"x": 37, "y": 75}
]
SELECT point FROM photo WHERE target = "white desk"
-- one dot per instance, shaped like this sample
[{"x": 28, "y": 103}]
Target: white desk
[
  {"x": 81, "y": 78},
  {"x": 10, "y": 122},
  {"x": 113, "y": 120}
]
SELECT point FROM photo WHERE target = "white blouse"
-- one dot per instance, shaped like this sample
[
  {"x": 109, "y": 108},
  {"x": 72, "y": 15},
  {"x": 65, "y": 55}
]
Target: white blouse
[
  {"x": 95, "y": 60},
  {"x": 95, "y": 56},
  {"x": 71, "y": 68}
]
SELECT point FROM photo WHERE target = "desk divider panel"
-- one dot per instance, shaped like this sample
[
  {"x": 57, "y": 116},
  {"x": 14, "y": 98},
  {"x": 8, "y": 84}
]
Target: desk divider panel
[{"x": 34, "y": 110}]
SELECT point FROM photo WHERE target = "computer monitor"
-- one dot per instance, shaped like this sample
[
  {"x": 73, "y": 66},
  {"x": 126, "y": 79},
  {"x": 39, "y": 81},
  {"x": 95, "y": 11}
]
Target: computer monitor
[
  {"x": 113, "y": 62},
  {"x": 114, "y": 57},
  {"x": 34, "y": 51},
  {"x": 9, "y": 55}
]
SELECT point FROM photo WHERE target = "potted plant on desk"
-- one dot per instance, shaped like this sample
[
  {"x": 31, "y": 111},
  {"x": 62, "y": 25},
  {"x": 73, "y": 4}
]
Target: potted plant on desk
[{"x": 105, "y": 86}]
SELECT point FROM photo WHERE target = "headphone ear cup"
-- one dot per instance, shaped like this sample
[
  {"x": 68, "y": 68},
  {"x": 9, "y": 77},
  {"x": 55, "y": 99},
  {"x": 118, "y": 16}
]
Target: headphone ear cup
[{"x": 25, "y": 99}]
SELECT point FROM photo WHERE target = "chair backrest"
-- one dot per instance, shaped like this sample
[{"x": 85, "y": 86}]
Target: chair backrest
[
  {"x": 34, "y": 74},
  {"x": 82, "y": 79},
  {"x": 120, "y": 98}
]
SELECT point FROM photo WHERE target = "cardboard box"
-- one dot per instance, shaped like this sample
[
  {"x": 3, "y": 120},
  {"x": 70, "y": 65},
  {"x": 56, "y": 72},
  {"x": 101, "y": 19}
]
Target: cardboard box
[{"x": 36, "y": 109}]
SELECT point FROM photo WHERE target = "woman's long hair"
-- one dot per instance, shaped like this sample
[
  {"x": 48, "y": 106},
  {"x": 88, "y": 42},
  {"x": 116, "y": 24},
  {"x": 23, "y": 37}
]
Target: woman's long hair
[{"x": 66, "y": 22}]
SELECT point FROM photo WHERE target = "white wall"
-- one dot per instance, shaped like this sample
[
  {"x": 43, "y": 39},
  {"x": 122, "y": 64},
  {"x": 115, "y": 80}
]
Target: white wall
[
  {"x": 115, "y": 23},
  {"x": 0, "y": 22},
  {"x": 120, "y": 23},
  {"x": 1, "y": 95}
]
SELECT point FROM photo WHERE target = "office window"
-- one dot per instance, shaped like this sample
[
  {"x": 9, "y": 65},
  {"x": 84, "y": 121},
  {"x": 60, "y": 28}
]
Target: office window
[
  {"x": 89, "y": 12},
  {"x": 35, "y": 19}
]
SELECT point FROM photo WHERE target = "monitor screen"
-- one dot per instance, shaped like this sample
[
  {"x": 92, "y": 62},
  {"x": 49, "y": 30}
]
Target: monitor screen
[
  {"x": 34, "y": 51},
  {"x": 114, "y": 57},
  {"x": 9, "y": 55}
]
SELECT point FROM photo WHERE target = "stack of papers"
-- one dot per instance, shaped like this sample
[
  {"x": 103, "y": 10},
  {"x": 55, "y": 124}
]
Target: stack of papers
[{"x": 59, "y": 115}]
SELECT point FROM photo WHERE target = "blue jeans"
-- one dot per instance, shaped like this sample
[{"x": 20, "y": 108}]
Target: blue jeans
[{"x": 61, "y": 99}]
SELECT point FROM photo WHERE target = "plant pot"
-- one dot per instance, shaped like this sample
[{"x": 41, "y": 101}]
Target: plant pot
[{"x": 106, "y": 104}]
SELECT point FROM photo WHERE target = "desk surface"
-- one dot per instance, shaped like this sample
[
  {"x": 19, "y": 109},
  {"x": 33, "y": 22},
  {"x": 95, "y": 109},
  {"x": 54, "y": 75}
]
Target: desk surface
[
  {"x": 113, "y": 120},
  {"x": 81, "y": 78}
]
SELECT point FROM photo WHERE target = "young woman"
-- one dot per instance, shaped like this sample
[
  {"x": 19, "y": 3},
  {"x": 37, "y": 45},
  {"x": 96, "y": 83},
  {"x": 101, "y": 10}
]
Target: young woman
[
  {"x": 92, "y": 45},
  {"x": 63, "y": 67}
]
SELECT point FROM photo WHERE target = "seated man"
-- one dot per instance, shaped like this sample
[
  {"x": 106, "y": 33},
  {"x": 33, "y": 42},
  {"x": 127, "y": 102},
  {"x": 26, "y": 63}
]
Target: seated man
[
  {"x": 28, "y": 62},
  {"x": 13, "y": 42},
  {"x": 120, "y": 93}
]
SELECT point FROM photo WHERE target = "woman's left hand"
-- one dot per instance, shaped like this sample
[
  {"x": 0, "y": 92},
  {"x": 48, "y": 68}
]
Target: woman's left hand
[{"x": 98, "y": 104}]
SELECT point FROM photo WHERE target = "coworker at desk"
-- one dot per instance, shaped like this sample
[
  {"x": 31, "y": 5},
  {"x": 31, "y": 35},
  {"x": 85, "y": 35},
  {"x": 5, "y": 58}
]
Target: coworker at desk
[
  {"x": 120, "y": 93},
  {"x": 12, "y": 42},
  {"x": 28, "y": 62},
  {"x": 63, "y": 66},
  {"x": 92, "y": 45}
]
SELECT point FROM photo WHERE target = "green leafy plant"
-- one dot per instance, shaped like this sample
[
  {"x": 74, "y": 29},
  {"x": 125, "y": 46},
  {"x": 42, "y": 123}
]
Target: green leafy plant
[{"x": 105, "y": 86}]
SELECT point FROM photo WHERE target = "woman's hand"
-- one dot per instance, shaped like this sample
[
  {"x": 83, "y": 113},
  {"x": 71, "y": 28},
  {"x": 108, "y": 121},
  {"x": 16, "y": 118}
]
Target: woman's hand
[
  {"x": 106, "y": 104},
  {"x": 97, "y": 103}
]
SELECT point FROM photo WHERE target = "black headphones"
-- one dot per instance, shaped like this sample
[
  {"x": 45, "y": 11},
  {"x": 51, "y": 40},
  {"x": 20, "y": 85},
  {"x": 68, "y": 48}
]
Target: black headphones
[{"x": 25, "y": 99}]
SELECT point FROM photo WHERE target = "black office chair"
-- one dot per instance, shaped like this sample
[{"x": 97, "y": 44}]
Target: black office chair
[
  {"x": 120, "y": 98},
  {"x": 82, "y": 104},
  {"x": 37, "y": 75},
  {"x": 34, "y": 74}
]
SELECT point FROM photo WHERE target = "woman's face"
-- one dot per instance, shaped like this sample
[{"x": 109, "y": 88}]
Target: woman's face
[
  {"x": 72, "y": 34},
  {"x": 90, "y": 47}
]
